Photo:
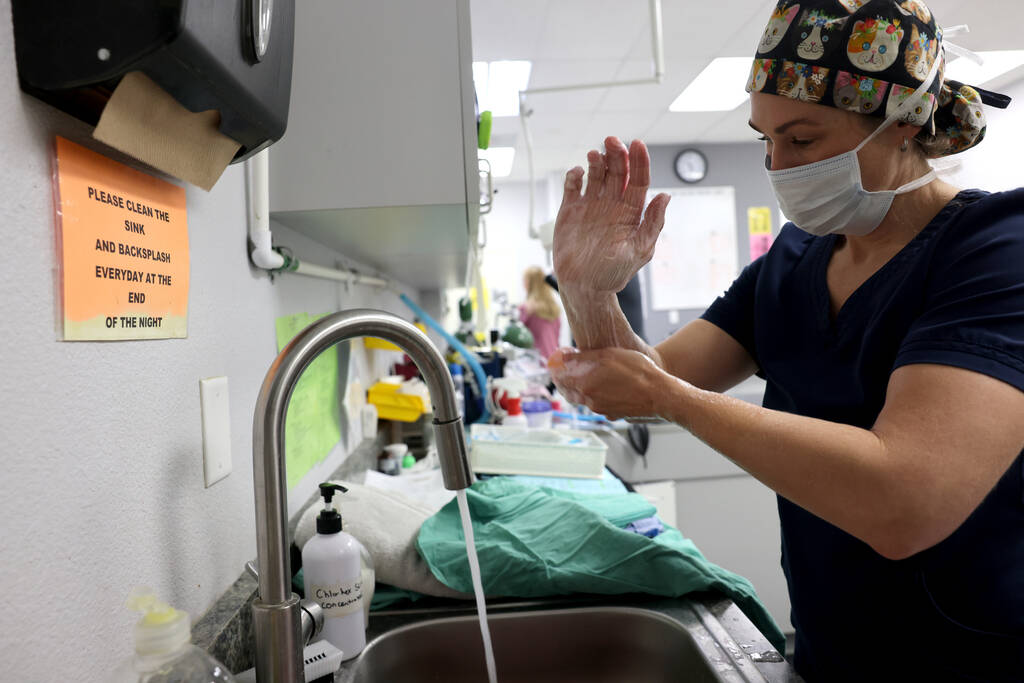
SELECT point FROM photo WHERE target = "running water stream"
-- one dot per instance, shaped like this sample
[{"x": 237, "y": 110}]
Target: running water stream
[{"x": 474, "y": 570}]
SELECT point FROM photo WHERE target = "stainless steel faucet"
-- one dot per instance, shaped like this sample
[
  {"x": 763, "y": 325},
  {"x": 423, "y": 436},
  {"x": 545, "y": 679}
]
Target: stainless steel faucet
[{"x": 276, "y": 611}]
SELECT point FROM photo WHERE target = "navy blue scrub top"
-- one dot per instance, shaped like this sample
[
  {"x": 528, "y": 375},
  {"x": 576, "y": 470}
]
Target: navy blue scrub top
[{"x": 954, "y": 296}]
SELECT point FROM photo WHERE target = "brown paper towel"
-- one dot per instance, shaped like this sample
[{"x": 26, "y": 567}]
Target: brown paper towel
[{"x": 145, "y": 122}]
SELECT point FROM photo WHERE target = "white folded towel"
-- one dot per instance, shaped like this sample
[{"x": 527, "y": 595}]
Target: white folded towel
[{"x": 387, "y": 523}]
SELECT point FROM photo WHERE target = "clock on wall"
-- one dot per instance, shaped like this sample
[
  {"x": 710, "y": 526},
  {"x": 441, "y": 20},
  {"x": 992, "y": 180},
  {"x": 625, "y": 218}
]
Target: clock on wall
[{"x": 691, "y": 166}]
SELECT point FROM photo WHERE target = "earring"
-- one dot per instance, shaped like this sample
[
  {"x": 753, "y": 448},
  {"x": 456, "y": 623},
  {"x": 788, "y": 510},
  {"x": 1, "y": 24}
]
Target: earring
[{"x": 905, "y": 146}]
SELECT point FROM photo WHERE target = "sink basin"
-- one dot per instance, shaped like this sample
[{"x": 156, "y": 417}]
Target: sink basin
[{"x": 603, "y": 644}]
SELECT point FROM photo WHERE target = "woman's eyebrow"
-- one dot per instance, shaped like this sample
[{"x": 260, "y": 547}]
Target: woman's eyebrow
[{"x": 784, "y": 127}]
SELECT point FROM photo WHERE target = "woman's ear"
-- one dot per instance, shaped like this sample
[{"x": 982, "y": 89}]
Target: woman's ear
[
  {"x": 910, "y": 130},
  {"x": 902, "y": 131}
]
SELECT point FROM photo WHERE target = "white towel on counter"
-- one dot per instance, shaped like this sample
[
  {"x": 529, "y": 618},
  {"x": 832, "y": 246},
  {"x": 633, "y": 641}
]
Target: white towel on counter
[
  {"x": 422, "y": 486},
  {"x": 387, "y": 523}
]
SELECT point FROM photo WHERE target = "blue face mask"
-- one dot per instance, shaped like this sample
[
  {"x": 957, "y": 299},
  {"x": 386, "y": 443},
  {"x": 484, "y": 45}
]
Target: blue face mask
[{"x": 828, "y": 196}]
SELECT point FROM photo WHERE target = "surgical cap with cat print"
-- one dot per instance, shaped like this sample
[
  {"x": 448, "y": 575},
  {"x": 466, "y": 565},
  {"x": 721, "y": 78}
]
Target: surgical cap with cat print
[{"x": 867, "y": 57}]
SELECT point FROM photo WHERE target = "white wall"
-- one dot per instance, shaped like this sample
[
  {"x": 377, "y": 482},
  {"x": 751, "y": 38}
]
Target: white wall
[
  {"x": 102, "y": 485},
  {"x": 510, "y": 250},
  {"x": 996, "y": 163}
]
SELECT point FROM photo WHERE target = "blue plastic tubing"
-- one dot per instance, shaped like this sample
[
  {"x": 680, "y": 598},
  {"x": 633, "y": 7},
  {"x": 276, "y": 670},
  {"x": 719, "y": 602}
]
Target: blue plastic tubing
[
  {"x": 474, "y": 364},
  {"x": 581, "y": 418}
]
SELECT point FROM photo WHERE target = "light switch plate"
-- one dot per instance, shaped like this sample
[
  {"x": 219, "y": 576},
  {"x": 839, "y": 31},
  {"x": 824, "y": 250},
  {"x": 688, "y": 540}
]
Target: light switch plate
[{"x": 213, "y": 397}]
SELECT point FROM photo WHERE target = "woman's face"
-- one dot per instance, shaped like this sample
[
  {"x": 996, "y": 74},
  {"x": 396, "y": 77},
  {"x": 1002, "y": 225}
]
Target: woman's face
[{"x": 796, "y": 133}]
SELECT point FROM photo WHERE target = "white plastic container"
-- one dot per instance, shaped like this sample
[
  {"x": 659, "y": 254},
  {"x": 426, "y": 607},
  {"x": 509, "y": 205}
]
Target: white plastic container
[
  {"x": 515, "y": 417},
  {"x": 515, "y": 420},
  {"x": 501, "y": 449},
  {"x": 163, "y": 648},
  {"x": 333, "y": 576},
  {"x": 538, "y": 414},
  {"x": 392, "y": 463}
]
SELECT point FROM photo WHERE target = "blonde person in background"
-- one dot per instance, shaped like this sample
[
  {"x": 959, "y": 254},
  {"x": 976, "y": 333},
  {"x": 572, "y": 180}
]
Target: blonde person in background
[{"x": 541, "y": 313}]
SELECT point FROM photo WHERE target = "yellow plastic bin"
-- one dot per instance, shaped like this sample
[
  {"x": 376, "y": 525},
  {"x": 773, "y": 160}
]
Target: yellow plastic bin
[
  {"x": 392, "y": 405},
  {"x": 385, "y": 345}
]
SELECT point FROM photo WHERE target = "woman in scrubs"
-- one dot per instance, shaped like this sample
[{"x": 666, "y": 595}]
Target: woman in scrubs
[
  {"x": 540, "y": 312},
  {"x": 888, "y": 323}
]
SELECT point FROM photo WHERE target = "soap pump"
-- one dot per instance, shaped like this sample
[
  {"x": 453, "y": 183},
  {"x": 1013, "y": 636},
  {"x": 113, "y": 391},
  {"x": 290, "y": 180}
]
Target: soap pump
[{"x": 332, "y": 571}]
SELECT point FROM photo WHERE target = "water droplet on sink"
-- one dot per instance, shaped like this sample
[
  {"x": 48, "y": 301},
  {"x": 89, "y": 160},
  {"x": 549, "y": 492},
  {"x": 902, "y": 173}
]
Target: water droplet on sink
[{"x": 766, "y": 656}]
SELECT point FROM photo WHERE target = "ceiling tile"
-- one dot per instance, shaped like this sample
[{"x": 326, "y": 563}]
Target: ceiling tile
[
  {"x": 626, "y": 126},
  {"x": 732, "y": 127},
  {"x": 588, "y": 41},
  {"x": 653, "y": 97},
  {"x": 994, "y": 24},
  {"x": 701, "y": 30},
  {"x": 558, "y": 73},
  {"x": 583, "y": 29},
  {"x": 549, "y": 73},
  {"x": 748, "y": 26},
  {"x": 506, "y": 30},
  {"x": 673, "y": 128}
]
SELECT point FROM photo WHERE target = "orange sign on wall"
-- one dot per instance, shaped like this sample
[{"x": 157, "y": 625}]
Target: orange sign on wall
[{"x": 124, "y": 246}]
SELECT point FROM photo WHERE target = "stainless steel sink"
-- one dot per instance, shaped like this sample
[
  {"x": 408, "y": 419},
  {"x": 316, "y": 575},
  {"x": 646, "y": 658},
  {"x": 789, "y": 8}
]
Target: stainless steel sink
[{"x": 678, "y": 641}]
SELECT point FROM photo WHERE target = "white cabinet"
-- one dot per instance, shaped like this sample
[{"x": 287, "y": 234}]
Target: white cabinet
[
  {"x": 662, "y": 495},
  {"x": 379, "y": 160}
]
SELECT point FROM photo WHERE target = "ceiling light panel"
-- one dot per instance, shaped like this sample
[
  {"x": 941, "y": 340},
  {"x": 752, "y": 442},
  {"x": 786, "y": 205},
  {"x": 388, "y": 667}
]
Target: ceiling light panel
[
  {"x": 719, "y": 87},
  {"x": 498, "y": 84}
]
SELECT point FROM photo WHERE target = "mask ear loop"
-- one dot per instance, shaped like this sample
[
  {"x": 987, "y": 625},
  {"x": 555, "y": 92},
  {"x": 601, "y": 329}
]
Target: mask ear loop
[
  {"x": 959, "y": 50},
  {"x": 906, "y": 104},
  {"x": 920, "y": 182},
  {"x": 992, "y": 99}
]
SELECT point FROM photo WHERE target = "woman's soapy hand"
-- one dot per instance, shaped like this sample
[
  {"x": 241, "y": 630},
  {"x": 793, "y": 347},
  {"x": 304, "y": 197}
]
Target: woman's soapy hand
[
  {"x": 614, "y": 382},
  {"x": 600, "y": 240}
]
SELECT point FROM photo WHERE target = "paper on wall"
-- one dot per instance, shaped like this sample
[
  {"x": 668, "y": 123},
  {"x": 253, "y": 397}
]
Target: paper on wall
[
  {"x": 695, "y": 258},
  {"x": 312, "y": 426},
  {"x": 142, "y": 120},
  {"x": 759, "y": 229}
]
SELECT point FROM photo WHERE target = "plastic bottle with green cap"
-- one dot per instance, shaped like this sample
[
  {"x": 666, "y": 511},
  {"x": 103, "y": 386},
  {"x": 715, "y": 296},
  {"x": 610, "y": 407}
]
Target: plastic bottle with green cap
[{"x": 163, "y": 647}]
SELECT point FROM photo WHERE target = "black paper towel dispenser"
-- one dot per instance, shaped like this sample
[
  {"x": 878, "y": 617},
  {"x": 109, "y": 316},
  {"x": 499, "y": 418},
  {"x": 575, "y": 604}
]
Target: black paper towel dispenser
[{"x": 234, "y": 56}]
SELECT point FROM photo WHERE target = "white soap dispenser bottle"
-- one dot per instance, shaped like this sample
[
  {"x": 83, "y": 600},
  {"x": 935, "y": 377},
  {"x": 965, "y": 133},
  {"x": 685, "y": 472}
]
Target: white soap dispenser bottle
[{"x": 332, "y": 571}]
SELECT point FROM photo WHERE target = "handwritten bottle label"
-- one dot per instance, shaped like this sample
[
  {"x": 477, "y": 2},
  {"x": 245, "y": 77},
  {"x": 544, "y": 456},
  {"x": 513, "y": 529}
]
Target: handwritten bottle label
[{"x": 338, "y": 599}]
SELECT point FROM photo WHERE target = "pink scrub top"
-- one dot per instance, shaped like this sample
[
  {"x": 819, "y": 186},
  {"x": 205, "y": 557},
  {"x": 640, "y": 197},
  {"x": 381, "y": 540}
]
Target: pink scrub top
[{"x": 545, "y": 332}]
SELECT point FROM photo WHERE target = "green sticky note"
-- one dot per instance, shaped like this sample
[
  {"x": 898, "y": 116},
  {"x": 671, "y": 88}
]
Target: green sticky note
[{"x": 312, "y": 425}]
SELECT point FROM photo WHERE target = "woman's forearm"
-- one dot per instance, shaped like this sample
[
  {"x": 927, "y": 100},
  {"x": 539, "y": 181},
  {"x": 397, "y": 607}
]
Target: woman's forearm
[
  {"x": 597, "y": 322},
  {"x": 841, "y": 473}
]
